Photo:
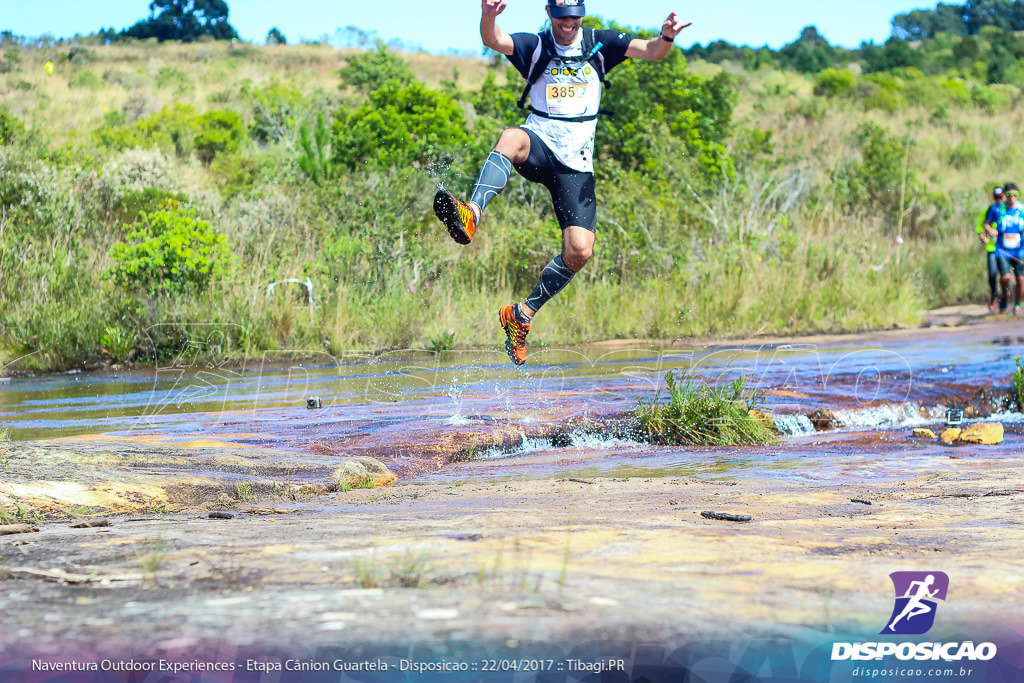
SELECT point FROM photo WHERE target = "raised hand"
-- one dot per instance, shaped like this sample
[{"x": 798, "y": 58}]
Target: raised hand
[
  {"x": 492, "y": 8},
  {"x": 672, "y": 27}
]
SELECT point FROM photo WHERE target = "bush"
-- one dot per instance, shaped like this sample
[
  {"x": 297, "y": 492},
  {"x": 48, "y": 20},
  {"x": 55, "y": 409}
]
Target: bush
[
  {"x": 372, "y": 69},
  {"x": 11, "y": 129},
  {"x": 964, "y": 155},
  {"x": 85, "y": 79},
  {"x": 703, "y": 415},
  {"x": 401, "y": 126},
  {"x": 277, "y": 111},
  {"x": 218, "y": 131},
  {"x": 833, "y": 82},
  {"x": 170, "y": 253}
]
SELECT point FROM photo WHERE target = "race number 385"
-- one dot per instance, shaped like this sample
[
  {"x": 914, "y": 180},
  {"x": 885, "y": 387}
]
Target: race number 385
[{"x": 559, "y": 92}]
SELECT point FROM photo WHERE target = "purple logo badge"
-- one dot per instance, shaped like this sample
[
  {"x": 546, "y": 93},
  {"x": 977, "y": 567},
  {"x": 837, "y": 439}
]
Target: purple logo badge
[{"x": 916, "y": 596}]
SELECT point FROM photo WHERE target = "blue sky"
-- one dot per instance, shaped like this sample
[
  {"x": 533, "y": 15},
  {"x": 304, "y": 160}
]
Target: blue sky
[{"x": 441, "y": 25}]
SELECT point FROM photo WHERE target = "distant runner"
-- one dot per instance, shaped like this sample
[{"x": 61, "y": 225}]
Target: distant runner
[
  {"x": 564, "y": 68},
  {"x": 1009, "y": 254},
  {"x": 987, "y": 233}
]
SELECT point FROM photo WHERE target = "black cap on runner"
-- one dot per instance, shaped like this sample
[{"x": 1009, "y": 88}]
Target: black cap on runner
[{"x": 566, "y": 8}]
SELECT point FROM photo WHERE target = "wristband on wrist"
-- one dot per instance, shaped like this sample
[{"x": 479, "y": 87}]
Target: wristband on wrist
[{"x": 667, "y": 39}]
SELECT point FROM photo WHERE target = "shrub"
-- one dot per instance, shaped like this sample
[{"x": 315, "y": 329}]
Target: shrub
[
  {"x": 218, "y": 131},
  {"x": 874, "y": 182},
  {"x": 703, "y": 415},
  {"x": 401, "y": 126},
  {"x": 170, "y": 253},
  {"x": 85, "y": 79},
  {"x": 277, "y": 111},
  {"x": 370, "y": 70},
  {"x": 964, "y": 155},
  {"x": 1018, "y": 386},
  {"x": 11, "y": 129},
  {"x": 833, "y": 82}
]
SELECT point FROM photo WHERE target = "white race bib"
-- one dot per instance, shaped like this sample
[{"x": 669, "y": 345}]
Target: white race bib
[
  {"x": 1011, "y": 240},
  {"x": 566, "y": 99}
]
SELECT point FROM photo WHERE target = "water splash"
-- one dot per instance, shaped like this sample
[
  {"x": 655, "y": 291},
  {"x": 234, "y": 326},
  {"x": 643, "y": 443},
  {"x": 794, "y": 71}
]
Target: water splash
[
  {"x": 455, "y": 394},
  {"x": 793, "y": 424}
]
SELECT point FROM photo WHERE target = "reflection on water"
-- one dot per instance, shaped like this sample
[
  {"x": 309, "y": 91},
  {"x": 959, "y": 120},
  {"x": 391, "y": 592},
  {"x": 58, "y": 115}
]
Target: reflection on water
[{"x": 888, "y": 382}]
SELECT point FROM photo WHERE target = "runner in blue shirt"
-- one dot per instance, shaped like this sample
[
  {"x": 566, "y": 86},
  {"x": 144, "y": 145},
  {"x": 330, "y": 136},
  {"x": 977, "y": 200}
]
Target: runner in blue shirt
[{"x": 1009, "y": 252}]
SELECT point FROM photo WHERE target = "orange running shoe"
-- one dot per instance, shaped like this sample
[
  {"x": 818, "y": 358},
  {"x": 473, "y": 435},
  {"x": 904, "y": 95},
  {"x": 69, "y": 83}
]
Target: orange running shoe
[
  {"x": 516, "y": 332},
  {"x": 456, "y": 215}
]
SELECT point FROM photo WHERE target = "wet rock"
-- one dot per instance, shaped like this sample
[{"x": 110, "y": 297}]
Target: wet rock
[
  {"x": 985, "y": 433},
  {"x": 950, "y": 435},
  {"x": 9, "y": 529},
  {"x": 823, "y": 419},
  {"x": 764, "y": 417},
  {"x": 922, "y": 433},
  {"x": 363, "y": 473}
]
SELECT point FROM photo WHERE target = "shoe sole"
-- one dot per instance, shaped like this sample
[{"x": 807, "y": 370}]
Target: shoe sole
[
  {"x": 508, "y": 342},
  {"x": 448, "y": 213}
]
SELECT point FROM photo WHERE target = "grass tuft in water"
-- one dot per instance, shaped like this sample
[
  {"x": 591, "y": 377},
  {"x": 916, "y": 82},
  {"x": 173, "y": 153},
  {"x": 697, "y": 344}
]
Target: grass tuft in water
[
  {"x": 1018, "y": 386},
  {"x": 703, "y": 415}
]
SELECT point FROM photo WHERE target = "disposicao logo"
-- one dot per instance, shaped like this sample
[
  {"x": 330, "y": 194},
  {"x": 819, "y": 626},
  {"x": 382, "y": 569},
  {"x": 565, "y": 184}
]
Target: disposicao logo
[
  {"x": 913, "y": 613},
  {"x": 916, "y": 596}
]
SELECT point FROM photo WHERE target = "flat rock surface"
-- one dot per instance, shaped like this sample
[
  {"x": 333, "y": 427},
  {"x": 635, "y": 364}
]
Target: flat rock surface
[{"x": 534, "y": 561}]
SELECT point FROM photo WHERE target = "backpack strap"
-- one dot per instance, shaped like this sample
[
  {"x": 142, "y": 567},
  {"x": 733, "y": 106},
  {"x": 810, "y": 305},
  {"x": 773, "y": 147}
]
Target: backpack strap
[
  {"x": 545, "y": 52},
  {"x": 542, "y": 56}
]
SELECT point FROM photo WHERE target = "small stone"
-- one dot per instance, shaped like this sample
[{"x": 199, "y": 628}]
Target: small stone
[
  {"x": 823, "y": 419},
  {"x": 922, "y": 433},
  {"x": 8, "y": 529},
  {"x": 950, "y": 435},
  {"x": 985, "y": 433},
  {"x": 91, "y": 523}
]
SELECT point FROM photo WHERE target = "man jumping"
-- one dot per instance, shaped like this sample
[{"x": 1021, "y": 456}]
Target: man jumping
[{"x": 564, "y": 68}]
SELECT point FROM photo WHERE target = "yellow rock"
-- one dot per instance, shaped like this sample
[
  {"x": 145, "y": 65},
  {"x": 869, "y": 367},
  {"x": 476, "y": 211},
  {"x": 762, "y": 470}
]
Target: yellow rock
[
  {"x": 921, "y": 433},
  {"x": 988, "y": 433},
  {"x": 365, "y": 473},
  {"x": 763, "y": 417},
  {"x": 950, "y": 435}
]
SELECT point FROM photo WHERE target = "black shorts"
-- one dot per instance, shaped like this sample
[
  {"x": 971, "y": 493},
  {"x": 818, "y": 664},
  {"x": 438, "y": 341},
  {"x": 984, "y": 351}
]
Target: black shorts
[{"x": 571, "y": 191}]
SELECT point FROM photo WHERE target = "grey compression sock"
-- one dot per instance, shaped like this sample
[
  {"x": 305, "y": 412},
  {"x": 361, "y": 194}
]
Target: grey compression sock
[
  {"x": 553, "y": 279},
  {"x": 492, "y": 179}
]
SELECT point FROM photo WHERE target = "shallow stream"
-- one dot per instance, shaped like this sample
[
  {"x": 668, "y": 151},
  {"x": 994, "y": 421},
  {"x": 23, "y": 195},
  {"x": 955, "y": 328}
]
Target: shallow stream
[{"x": 877, "y": 387}]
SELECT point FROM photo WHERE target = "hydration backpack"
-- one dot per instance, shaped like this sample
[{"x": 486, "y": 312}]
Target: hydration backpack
[{"x": 545, "y": 53}]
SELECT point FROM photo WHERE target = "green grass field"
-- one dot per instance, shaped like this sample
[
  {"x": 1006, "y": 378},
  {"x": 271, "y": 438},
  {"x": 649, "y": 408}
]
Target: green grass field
[{"x": 762, "y": 219}]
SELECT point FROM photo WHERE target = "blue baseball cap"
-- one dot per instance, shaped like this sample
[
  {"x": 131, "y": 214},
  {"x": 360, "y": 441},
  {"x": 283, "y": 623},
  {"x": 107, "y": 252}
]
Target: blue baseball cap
[{"x": 566, "y": 8}]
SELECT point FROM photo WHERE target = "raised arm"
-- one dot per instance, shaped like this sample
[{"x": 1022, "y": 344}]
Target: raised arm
[
  {"x": 657, "y": 48},
  {"x": 494, "y": 37}
]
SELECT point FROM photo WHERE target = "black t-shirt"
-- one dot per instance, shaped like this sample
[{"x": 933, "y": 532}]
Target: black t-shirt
[{"x": 613, "y": 49}]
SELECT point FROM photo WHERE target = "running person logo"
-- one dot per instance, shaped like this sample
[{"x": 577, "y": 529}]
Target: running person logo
[{"x": 916, "y": 596}]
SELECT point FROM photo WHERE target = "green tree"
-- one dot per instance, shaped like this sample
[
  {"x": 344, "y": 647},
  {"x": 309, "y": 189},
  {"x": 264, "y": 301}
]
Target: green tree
[
  {"x": 921, "y": 24},
  {"x": 275, "y": 37},
  {"x": 810, "y": 53},
  {"x": 184, "y": 20}
]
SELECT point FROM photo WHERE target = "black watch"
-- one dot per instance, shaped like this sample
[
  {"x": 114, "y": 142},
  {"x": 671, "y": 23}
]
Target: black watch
[{"x": 667, "y": 39}]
